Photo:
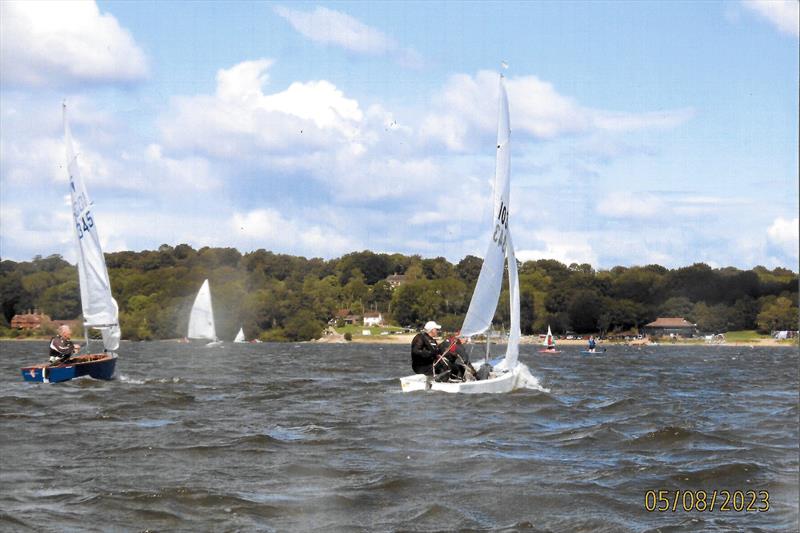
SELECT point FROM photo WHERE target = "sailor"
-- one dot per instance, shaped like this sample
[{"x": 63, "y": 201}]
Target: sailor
[
  {"x": 458, "y": 359},
  {"x": 426, "y": 353},
  {"x": 592, "y": 343},
  {"x": 61, "y": 346}
]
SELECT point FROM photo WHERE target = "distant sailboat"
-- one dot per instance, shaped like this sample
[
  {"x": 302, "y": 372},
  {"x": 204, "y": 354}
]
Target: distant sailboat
[
  {"x": 201, "y": 319},
  {"x": 509, "y": 373},
  {"x": 100, "y": 310},
  {"x": 239, "y": 339},
  {"x": 549, "y": 343}
]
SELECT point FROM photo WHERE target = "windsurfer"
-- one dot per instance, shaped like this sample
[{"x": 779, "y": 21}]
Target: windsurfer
[{"x": 61, "y": 346}]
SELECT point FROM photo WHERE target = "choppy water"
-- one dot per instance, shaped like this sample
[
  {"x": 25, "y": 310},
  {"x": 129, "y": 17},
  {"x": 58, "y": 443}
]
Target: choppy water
[{"x": 276, "y": 437}]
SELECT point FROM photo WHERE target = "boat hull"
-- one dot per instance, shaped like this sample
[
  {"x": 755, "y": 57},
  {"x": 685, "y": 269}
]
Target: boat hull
[
  {"x": 503, "y": 382},
  {"x": 550, "y": 351},
  {"x": 97, "y": 366}
]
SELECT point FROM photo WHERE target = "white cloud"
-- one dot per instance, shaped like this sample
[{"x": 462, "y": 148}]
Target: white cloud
[
  {"x": 566, "y": 247},
  {"x": 631, "y": 205},
  {"x": 34, "y": 231},
  {"x": 241, "y": 121},
  {"x": 53, "y": 44},
  {"x": 537, "y": 110},
  {"x": 783, "y": 14},
  {"x": 784, "y": 234},
  {"x": 268, "y": 228},
  {"x": 331, "y": 27}
]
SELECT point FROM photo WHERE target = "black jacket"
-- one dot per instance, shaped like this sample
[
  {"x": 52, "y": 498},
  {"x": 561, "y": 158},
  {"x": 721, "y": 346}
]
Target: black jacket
[
  {"x": 61, "y": 347},
  {"x": 424, "y": 352}
]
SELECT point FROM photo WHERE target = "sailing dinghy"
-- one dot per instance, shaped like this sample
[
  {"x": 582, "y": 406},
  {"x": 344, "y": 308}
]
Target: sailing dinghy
[
  {"x": 549, "y": 343},
  {"x": 201, "y": 319},
  {"x": 508, "y": 374},
  {"x": 239, "y": 339},
  {"x": 100, "y": 310}
]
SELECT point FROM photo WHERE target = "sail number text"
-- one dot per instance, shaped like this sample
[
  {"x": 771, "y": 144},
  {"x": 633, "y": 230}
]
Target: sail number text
[
  {"x": 83, "y": 220},
  {"x": 500, "y": 235}
]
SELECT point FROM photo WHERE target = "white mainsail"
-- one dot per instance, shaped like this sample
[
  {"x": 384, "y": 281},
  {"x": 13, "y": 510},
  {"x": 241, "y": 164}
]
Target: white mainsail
[
  {"x": 100, "y": 310},
  {"x": 487, "y": 290},
  {"x": 201, "y": 319},
  {"x": 240, "y": 336}
]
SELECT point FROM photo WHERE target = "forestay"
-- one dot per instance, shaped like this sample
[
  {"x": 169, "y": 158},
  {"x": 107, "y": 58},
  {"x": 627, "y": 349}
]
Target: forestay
[
  {"x": 100, "y": 310},
  {"x": 487, "y": 290},
  {"x": 201, "y": 319}
]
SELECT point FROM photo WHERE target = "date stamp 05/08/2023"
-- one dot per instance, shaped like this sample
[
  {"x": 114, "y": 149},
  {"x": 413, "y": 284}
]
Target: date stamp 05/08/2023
[{"x": 748, "y": 501}]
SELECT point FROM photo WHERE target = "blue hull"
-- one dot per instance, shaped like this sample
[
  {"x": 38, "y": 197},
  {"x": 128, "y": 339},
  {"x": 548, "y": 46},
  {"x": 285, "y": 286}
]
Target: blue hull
[{"x": 97, "y": 366}]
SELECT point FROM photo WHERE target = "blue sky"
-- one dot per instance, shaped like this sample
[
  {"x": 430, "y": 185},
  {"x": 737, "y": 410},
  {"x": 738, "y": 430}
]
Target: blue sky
[{"x": 642, "y": 132}]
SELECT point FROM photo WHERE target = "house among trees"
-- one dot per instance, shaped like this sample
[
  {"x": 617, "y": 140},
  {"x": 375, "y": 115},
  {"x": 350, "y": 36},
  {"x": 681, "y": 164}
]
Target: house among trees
[
  {"x": 373, "y": 318},
  {"x": 395, "y": 280},
  {"x": 30, "y": 320},
  {"x": 666, "y": 326},
  {"x": 344, "y": 316}
]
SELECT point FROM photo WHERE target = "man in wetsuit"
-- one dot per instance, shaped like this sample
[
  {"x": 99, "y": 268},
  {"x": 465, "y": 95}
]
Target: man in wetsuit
[
  {"x": 61, "y": 346},
  {"x": 425, "y": 353}
]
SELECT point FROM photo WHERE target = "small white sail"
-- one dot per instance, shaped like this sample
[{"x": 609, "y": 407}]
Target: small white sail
[
  {"x": 201, "y": 319},
  {"x": 100, "y": 310},
  {"x": 549, "y": 341},
  {"x": 240, "y": 336},
  {"x": 487, "y": 290}
]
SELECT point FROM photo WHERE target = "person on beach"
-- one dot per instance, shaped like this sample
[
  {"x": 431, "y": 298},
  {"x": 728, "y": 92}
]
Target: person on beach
[{"x": 61, "y": 346}]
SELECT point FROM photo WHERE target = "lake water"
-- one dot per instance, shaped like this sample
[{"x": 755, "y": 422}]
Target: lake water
[{"x": 284, "y": 437}]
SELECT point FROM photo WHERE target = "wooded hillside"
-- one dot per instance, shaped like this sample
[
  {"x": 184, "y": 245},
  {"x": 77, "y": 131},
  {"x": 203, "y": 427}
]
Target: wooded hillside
[{"x": 283, "y": 297}]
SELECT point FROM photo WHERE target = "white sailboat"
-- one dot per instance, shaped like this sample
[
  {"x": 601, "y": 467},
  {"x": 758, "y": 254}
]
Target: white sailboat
[
  {"x": 100, "y": 310},
  {"x": 239, "y": 339},
  {"x": 201, "y": 319},
  {"x": 549, "y": 343},
  {"x": 509, "y": 373}
]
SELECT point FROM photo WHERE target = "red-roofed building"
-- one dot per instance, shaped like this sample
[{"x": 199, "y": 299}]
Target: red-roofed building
[
  {"x": 666, "y": 326},
  {"x": 29, "y": 320}
]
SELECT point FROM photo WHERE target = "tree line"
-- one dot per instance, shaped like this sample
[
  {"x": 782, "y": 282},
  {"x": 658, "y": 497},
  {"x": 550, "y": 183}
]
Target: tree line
[{"x": 278, "y": 297}]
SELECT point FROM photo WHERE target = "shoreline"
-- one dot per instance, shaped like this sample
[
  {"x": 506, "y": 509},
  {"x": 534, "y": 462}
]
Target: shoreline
[{"x": 406, "y": 338}]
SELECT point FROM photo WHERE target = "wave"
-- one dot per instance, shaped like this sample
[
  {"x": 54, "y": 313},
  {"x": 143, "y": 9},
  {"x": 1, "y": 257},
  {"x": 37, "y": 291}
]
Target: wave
[
  {"x": 671, "y": 435},
  {"x": 729, "y": 474}
]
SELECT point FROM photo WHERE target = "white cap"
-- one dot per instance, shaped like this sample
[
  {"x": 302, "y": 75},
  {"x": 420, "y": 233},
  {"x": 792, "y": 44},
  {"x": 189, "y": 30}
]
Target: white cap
[{"x": 431, "y": 325}]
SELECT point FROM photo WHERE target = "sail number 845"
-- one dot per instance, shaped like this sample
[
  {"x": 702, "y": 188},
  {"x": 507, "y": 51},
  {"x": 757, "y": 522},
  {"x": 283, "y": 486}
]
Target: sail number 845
[{"x": 84, "y": 224}]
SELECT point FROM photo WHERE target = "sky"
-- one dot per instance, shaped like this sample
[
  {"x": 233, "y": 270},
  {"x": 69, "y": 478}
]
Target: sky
[{"x": 642, "y": 132}]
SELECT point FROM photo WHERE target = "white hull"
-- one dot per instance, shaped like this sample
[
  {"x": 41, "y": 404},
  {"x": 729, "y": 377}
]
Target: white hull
[
  {"x": 504, "y": 382},
  {"x": 214, "y": 344}
]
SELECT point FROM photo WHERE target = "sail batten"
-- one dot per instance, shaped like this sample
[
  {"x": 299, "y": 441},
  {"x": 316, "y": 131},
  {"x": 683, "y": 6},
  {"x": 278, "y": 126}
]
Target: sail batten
[{"x": 100, "y": 310}]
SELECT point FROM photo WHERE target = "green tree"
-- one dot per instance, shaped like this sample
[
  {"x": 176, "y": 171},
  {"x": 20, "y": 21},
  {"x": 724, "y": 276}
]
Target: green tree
[{"x": 779, "y": 314}]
